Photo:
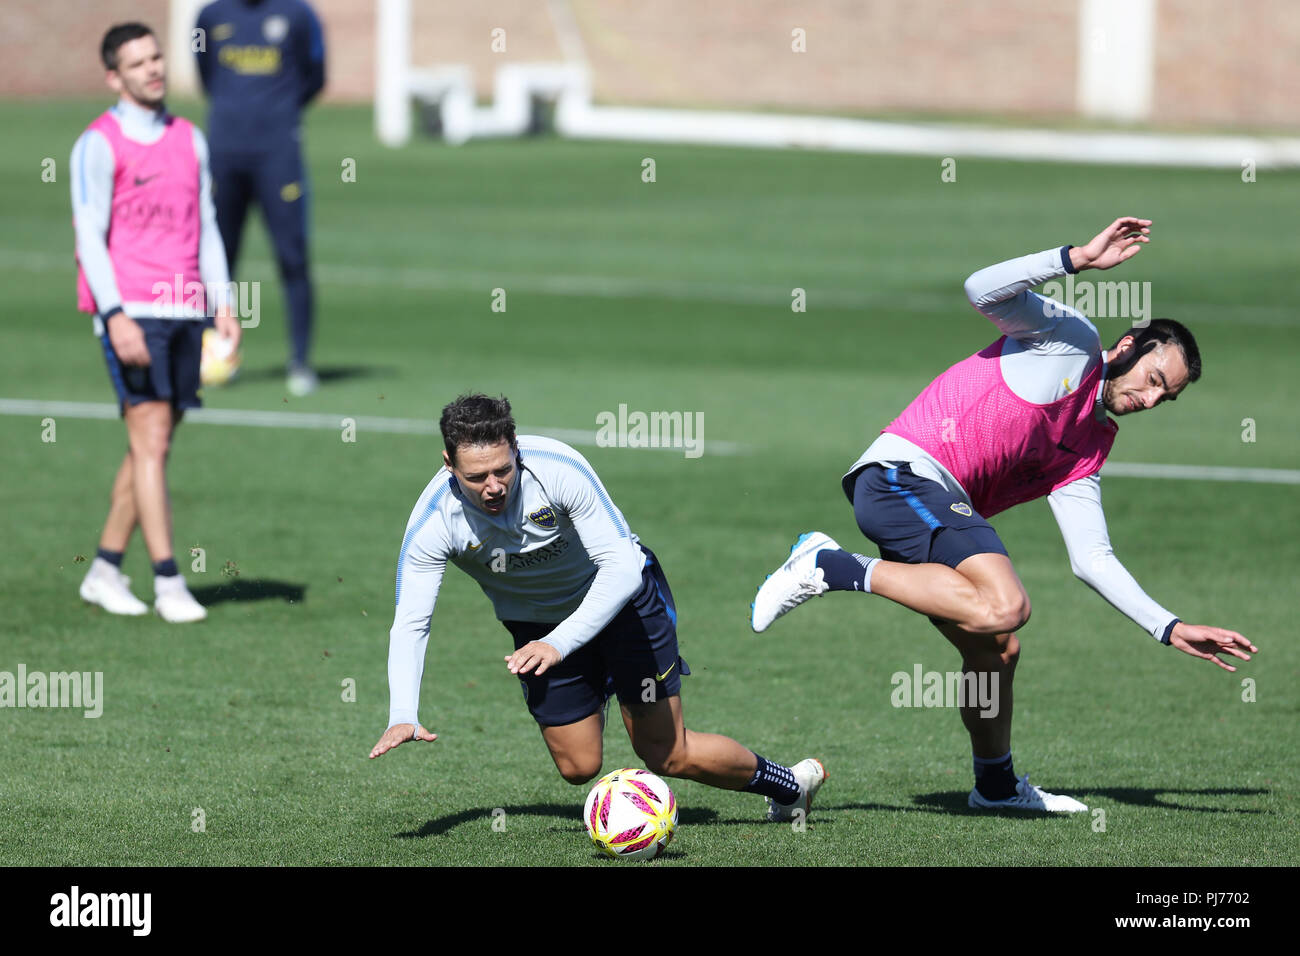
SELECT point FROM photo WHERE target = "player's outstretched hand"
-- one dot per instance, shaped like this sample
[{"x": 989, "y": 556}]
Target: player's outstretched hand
[
  {"x": 1205, "y": 642},
  {"x": 537, "y": 654},
  {"x": 1121, "y": 240},
  {"x": 228, "y": 326},
  {"x": 127, "y": 339},
  {"x": 399, "y": 734}
]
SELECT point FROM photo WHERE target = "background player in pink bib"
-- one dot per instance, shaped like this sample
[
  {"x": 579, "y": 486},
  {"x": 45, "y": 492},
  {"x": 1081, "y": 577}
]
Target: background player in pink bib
[
  {"x": 149, "y": 255},
  {"x": 1024, "y": 418}
]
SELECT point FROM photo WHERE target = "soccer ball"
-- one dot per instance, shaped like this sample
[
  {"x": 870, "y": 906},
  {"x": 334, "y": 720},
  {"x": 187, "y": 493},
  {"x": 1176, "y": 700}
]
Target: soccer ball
[
  {"x": 219, "y": 361},
  {"x": 631, "y": 814}
]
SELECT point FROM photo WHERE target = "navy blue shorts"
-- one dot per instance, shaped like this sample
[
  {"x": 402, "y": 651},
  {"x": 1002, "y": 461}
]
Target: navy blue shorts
[
  {"x": 172, "y": 375},
  {"x": 917, "y": 520},
  {"x": 635, "y": 653}
]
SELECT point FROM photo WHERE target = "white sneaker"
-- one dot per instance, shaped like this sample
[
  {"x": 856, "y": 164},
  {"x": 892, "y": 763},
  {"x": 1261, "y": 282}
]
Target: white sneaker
[
  {"x": 174, "y": 602},
  {"x": 106, "y": 586},
  {"x": 1028, "y": 797},
  {"x": 302, "y": 381},
  {"x": 810, "y": 775},
  {"x": 792, "y": 583}
]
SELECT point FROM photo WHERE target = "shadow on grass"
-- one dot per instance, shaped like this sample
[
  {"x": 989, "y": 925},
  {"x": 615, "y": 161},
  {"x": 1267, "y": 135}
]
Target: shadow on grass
[
  {"x": 327, "y": 374},
  {"x": 249, "y": 589},
  {"x": 568, "y": 818},
  {"x": 954, "y": 802}
]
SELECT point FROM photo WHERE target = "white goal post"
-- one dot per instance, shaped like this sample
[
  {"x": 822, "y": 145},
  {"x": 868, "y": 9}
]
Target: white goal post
[{"x": 449, "y": 90}]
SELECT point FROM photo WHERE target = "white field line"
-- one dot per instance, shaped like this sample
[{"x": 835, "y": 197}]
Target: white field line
[
  {"x": 424, "y": 279},
  {"x": 323, "y": 421},
  {"x": 574, "y": 436},
  {"x": 1268, "y": 476}
]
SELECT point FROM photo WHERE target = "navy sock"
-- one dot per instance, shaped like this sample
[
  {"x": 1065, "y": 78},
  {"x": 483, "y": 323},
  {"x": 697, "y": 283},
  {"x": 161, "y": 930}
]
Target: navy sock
[
  {"x": 775, "y": 781},
  {"x": 995, "y": 778},
  {"x": 844, "y": 570},
  {"x": 165, "y": 569},
  {"x": 112, "y": 557}
]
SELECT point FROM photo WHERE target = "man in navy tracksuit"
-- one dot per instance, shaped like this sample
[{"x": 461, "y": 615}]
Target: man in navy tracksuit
[{"x": 263, "y": 61}]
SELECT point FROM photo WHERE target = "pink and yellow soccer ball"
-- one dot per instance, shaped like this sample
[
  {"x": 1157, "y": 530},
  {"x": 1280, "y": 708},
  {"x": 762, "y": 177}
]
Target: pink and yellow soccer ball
[
  {"x": 219, "y": 360},
  {"x": 631, "y": 814}
]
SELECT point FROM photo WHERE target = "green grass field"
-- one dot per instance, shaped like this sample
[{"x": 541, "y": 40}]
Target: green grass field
[{"x": 669, "y": 295}]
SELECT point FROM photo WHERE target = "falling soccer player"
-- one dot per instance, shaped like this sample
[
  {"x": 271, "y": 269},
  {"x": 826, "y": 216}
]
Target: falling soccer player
[
  {"x": 1023, "y": 418},
  {"x": 587, "y": 604}
]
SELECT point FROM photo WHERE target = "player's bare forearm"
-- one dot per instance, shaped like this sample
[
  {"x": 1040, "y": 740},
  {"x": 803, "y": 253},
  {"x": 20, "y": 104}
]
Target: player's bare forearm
[
  {"x": 1119, "y": 241},
  {"x": 1206, "y": 642},
  {"x": 399, "y": 734}
]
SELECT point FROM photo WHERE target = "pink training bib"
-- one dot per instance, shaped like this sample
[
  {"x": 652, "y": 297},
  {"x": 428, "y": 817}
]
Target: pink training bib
[
  {"x": 1003, "y": 449},
  {"x": 153, "y": 233}
]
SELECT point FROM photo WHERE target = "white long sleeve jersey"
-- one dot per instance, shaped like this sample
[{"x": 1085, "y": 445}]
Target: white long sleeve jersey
[
  {"x": 1049, "y": 350},
  {"x": 560, "y": 552}
]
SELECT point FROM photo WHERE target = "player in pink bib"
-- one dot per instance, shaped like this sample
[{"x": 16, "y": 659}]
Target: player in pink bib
[
  {"x": 1024, "y": 418},
  {"x": 149, "y": 255}
]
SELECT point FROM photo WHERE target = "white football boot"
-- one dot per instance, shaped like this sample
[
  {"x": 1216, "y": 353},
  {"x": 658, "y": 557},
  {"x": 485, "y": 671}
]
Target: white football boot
[
  {"x": 1028, "y": 797},
  {"x": 106, "y": 586},
  {"x": 301, "y": 381},
  {"x": 174, "y": 602},
  {"x": 792, "y": 583},
  {"x": 810, "y": 775}
]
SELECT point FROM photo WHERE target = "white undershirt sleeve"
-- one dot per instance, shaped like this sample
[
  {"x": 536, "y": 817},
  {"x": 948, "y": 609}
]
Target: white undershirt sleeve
[
  {"x": 1077, "y": 508},
  {"x": 91, "y": 172},
  {"x": 1001, "y": 293},
  {"x": 421, "y": 565}
]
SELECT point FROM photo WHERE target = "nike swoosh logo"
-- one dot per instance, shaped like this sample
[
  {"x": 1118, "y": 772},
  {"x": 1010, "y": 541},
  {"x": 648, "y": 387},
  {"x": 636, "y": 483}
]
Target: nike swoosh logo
[
  {"x": 474, "y": 547},
  {"x": 141, "y": 182},
  {"x": 659, "y": 677},
  {"x": 1061, "y": 445}
]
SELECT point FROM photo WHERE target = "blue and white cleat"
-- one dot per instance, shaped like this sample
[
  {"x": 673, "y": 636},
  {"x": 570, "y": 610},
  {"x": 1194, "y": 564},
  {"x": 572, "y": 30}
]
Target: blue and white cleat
[
  {"x": 792, "y": 583},
  {"x": 1028, "y": 797}
]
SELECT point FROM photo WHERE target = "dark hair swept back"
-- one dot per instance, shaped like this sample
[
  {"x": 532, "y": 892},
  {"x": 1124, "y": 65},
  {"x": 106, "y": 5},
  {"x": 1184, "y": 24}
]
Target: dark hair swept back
[
  {"x": 1159, "y": 332},
  {"x": 117, "y": 35},
  {"x": 476, "y": 419}
]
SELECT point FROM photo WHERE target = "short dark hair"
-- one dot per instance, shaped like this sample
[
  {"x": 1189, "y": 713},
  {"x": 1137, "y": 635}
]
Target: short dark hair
[
  {"x": 476, "y": 419},
  {"x": 1158, "y": 332},
  {"x": 116, "y": 36}
]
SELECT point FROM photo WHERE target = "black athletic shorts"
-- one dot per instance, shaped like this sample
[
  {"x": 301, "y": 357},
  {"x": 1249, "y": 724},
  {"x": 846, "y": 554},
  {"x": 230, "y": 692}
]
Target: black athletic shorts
[
  {"x": 635, "y": 657},
  {"x": 916, "y": 520},
  {"x": 172, "y": 375}
]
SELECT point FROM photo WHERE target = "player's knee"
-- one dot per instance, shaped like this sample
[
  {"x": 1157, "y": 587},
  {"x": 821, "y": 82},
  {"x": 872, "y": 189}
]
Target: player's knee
[
  {"x": 293, "y": 265},
  {"x": 577, "y": 771},
  {"x": 1007, "y": 613},
  {"x": 157, "y": 445},
  {"x": 665, "y": 760}
]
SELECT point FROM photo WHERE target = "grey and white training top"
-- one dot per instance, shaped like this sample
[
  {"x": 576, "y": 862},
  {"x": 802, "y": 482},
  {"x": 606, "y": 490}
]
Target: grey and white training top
[
  {"x": 560, "y": 552},
  {"x": 1050, "y": 349}
]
